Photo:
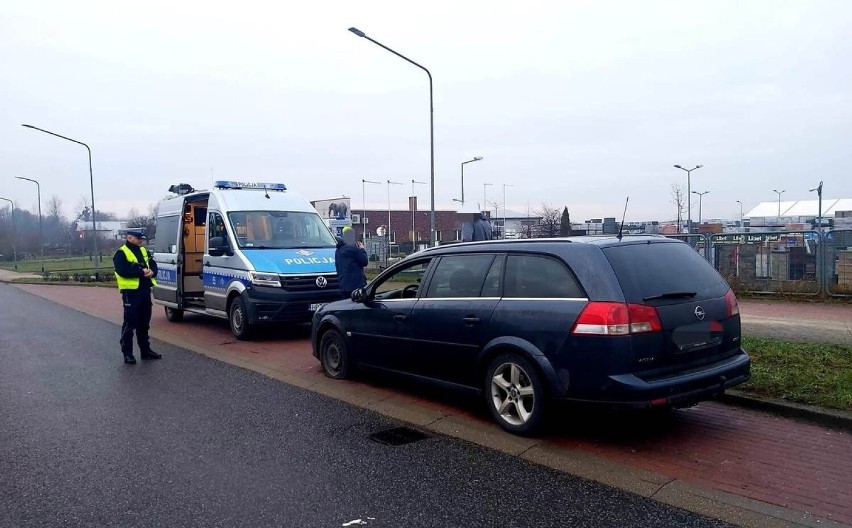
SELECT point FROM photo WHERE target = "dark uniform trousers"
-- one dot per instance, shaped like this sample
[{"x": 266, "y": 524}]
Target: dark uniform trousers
[{"x": 137, "y": 317}]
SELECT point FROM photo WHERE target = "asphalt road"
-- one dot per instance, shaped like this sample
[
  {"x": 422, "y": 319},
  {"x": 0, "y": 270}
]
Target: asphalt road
[{"x": 187, "y": 441}]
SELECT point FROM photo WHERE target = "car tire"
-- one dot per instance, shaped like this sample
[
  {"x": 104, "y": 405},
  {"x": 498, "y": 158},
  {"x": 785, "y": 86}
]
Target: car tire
[
  {"x": 515, "y": 394},
  {"x": 238, "y": 320},
  {"x": 173, "y": 315},
  {"x": 334, "y": 356}
]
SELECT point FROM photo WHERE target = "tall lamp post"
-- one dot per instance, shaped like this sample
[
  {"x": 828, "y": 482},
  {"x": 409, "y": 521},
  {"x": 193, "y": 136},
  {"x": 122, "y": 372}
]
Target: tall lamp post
[
  {"x": 742, "y": 224},
  {"x": 688, "y": 194},
  {"x": 364, "y": 204},
  {"x": 779, "y": 193},
  {"x": 414, "y": 213},
  {"x": 475, "y": 158},
  {"x": 818, "y": 190},
  {"x": 504, "y": 208},
  {"x": 91, "y": 185},
  {"x": 700, "y": 196},
  {"x": 432, "y": 236},
  {"x": 14, "y": 233},
  {"x": 485, "y": 187},
  {"x": 40, "y": 231}
]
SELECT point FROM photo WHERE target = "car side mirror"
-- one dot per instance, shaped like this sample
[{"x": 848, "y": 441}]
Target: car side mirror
[{"x": 359, "y": 295}]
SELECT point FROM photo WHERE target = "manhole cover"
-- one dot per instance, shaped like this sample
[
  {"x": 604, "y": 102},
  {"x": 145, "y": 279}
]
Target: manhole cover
[{"x": 398, "y": 436}]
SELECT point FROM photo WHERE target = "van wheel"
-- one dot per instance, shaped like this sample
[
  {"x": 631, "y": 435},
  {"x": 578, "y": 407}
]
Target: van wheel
[
  {"x": 238, "y": 317},
  {"x": 334, "y": 357},
  {"x": 515, "y": 394},
  {"x": 173, "y": 315}
]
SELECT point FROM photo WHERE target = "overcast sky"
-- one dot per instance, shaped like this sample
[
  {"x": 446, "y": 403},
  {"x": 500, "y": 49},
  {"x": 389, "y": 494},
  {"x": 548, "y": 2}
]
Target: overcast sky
[{"x": 575, "y": 103}]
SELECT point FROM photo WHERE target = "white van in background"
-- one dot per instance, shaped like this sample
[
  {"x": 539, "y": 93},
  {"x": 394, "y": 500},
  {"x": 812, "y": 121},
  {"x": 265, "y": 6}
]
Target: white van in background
[{"x": 249, "y": 252}]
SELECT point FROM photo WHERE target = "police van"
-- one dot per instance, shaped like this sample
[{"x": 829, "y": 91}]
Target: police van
[{"x": 252, "y": 253}]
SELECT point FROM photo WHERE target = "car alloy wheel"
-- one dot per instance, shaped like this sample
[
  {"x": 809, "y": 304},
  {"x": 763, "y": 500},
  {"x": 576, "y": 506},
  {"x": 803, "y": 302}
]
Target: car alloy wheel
[{"x": 515, "y": 394}]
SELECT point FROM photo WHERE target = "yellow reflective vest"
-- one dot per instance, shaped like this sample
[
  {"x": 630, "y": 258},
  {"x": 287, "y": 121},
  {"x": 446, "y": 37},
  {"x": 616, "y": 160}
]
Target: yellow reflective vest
[{"x": 132, "y": 283}]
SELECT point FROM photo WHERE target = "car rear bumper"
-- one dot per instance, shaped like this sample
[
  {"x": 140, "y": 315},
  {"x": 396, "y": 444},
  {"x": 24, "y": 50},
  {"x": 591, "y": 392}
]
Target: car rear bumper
[{"x": 679, "y": 389}]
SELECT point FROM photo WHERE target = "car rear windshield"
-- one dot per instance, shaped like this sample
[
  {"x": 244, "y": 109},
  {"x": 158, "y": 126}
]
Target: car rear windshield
[{"x": 669, "y": 272}]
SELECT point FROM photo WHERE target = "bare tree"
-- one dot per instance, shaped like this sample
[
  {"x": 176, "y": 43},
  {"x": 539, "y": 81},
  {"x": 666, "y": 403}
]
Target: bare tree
[
  {"x": 54, "y": 207},
  {"x": 679, "y": 199},
  {"x": 551, "y": 220},
  {"x": 146, "y": 221}
]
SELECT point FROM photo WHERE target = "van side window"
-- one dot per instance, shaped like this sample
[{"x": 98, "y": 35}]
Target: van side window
[
  {"x": 167, "y": 233},
  {"x": 538, "y": 277},
  {"x": 216, "y": 228},
  {"x": 459, "y": 276}
]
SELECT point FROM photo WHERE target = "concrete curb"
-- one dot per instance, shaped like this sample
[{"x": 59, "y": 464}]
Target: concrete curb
[{"x": 825, "y": 417}]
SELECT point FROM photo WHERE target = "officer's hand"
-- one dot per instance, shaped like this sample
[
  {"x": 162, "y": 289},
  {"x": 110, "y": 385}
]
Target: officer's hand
[{"x": 148, "y": 273}]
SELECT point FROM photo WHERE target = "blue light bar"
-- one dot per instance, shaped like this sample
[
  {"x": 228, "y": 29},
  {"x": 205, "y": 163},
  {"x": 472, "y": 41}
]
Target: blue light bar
[{"x": 222, "y": 184}]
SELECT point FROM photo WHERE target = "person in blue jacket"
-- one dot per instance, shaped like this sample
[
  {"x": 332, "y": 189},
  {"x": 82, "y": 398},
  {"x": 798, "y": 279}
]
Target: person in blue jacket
[{"x": 350, "y": 259}]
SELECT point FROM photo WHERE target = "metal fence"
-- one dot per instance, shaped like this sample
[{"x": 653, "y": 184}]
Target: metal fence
[{"x": 807, "y": 263}]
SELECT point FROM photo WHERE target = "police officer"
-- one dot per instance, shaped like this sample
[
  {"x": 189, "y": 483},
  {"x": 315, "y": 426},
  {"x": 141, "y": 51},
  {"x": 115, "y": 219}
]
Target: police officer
[{"x": 135, "y": 273}]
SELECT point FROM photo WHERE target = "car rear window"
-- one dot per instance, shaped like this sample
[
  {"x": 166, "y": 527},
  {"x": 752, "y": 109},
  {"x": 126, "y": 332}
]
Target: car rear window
[{"x": 649, "y": 270}]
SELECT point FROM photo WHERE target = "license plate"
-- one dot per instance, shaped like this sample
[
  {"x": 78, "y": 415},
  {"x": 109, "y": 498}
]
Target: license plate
[{"x": 316, "y": 306}]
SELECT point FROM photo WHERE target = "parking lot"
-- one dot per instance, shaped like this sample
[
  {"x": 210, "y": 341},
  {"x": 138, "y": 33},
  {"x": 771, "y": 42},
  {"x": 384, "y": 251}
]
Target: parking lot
[{"x": 717, "y": 456}]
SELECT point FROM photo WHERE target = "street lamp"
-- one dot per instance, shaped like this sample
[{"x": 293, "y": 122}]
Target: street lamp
[
  {"x": 700, "y": 195},
  {"x": 818, "y": 190},
  {"x": 414, "y": 213},
  {"x": 389, "y": 210},
  {"x": 91, "y": 185},
  {"x": 14, "y": 233},
  {"x": 742, "y": 226},
  {"x": 688, "y": 193},
  {"x": 364, "y": 203},
  {"x": 40, "y": 232},
  {"x": 475, "y": 158},
  {"x": 504, "y": 208},
  {"x": 432, "y": 236},
  {"x": 779, "y": 193},
  {"x": 485, "y": 187}
]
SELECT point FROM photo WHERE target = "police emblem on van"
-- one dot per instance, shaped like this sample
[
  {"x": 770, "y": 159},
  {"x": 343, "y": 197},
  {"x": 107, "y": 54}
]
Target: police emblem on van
[
  {"x": 321, "y": 282},
  {"x": 304, "y": 252}
]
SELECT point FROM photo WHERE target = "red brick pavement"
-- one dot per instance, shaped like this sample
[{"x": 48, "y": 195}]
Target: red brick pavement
[{"x": 751, "y": 454}]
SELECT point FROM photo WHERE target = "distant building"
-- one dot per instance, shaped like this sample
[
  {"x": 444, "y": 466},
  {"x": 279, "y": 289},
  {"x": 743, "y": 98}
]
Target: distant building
[
  {"x": 106, "y": 229},
  {"x": 766, "y": 214}
]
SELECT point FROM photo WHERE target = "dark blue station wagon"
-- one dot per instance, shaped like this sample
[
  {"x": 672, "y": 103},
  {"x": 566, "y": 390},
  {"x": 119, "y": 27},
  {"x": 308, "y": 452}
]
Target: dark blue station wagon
[{"x": 641, "y": 321}]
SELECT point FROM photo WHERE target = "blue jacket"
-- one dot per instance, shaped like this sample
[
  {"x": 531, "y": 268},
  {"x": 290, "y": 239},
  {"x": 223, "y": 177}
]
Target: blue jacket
[{"x": 350, "y": 262}]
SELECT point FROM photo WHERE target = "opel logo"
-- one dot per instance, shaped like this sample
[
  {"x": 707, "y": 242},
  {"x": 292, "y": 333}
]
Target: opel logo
[
  {"x": 322, "y": 283},
  {"x": 699, "y": 313}
]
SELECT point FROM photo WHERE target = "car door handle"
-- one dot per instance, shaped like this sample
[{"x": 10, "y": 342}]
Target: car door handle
[
  {"x": 400, "y": 317},
  {"x": 470, "y": 320}
]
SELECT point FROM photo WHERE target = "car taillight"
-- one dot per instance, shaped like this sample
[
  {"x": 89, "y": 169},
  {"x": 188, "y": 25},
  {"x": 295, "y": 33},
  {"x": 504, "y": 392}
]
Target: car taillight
[
  {"x": 610, "y": 318},
  {"x": 731, "y": 306}
]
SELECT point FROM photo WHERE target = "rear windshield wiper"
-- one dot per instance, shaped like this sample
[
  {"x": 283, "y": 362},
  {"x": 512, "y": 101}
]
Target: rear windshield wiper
[{"x": 671, "y": 295}]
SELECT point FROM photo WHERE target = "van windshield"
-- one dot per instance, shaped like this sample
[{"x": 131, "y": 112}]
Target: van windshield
[{"x": 280, "y": 229}]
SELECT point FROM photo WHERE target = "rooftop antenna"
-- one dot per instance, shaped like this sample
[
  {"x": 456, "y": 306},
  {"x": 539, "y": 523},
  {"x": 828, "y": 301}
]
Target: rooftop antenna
[{"x": 621, "y": 228}]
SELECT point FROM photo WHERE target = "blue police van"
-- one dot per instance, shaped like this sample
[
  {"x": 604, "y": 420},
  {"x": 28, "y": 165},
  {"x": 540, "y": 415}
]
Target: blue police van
[{"x": 249, "y": 252}]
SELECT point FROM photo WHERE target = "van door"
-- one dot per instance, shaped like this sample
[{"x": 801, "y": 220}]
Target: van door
[
  {"x": 166, "y": 251},
  {"x": 220, "y": 268}
]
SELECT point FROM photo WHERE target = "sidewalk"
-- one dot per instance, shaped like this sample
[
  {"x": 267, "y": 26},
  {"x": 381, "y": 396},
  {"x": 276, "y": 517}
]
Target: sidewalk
[
  {"x": 798, "y": 321},
  {"x": 9, "y": 275},
  {"x": 738, "y": 465}
]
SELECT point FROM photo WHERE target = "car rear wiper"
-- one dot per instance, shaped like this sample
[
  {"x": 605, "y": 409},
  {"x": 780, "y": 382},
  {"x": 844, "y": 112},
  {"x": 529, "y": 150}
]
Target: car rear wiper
[{"x": 671, "y": 295}]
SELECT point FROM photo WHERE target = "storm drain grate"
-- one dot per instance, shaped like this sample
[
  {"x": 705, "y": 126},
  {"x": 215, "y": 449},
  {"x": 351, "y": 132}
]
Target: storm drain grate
[{"x": 398, "y": 436}]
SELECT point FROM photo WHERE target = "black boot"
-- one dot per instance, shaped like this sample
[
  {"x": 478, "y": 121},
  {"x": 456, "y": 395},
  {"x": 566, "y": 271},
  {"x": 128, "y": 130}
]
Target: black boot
[
  {"x": 151, "y": 355},
  {"x": 129, "y": 359}
]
